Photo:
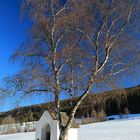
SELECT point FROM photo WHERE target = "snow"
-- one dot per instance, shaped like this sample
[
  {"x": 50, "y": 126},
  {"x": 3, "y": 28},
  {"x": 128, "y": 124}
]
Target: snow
[
  {"x": 25, "y": 127},
  {"x": 125, "y": 129},
  {"x": 19, "y": 136},
  {"x": 111, "y": 130},
  {"x": 125, "y": 117}
]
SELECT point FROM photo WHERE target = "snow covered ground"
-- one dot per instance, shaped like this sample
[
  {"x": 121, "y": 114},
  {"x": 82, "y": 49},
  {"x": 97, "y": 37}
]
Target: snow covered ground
[
  {"x": 111, "y": 130},
  {"x": 126, "y": 129},
  {"x": 124, "y": 117},
  {"x": 19, "y": 136}
]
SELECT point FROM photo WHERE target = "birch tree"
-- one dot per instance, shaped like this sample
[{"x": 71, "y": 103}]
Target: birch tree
[{"x": 74, "y": 45}]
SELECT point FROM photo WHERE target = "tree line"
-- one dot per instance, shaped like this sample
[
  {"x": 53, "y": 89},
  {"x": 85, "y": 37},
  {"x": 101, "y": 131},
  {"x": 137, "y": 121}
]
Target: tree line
[{"x": 112, "y": 102}]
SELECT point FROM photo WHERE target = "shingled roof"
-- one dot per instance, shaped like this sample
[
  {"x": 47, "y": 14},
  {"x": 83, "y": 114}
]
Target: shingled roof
[{"x": 64, "y": 119}]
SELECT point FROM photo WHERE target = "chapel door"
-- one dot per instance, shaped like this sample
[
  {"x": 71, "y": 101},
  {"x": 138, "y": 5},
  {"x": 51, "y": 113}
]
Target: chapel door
[
  {"x": 48, "y": 136},
  {"x": 48, "y": 133}
]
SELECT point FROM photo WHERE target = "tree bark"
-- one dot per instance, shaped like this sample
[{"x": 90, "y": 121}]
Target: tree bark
[{"x": 63, "y": 135}]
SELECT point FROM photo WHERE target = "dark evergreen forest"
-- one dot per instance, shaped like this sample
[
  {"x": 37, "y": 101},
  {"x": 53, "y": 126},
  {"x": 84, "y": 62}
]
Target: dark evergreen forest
[{"x": 120, "y": 101}]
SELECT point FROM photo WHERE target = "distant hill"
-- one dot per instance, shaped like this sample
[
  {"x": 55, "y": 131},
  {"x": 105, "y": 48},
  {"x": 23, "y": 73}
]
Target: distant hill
[{"x": 119, "y": 101}]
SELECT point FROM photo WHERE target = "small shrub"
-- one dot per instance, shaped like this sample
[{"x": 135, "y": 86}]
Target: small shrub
[
  {"x": 9, "y": 120},
  {"x": 94, "y": 115},
  {"x": 9, "y": 125},
  {"x": 87, "y": 120},
  {"x": 101, "y": 116},
  {"x": 126, "y": 110}
]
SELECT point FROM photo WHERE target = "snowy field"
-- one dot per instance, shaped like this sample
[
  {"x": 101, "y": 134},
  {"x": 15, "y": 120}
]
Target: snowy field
[
  {"x": 128, "y": 129},
  {"x": 19, "y": 136},
  {"x": 111, "y": 130}
]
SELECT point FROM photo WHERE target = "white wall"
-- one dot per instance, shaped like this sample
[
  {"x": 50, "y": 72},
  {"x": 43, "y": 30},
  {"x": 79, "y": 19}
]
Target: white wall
[
  {"x": 15, "y": 128},
  {"x": 73, "y": 134},
  {"x": 47, "y": 119},
  {"x": 41, "y": 127}
]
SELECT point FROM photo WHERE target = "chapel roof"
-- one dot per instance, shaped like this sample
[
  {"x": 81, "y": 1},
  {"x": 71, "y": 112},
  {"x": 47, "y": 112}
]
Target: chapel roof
[{"x": 64, "y": 118}]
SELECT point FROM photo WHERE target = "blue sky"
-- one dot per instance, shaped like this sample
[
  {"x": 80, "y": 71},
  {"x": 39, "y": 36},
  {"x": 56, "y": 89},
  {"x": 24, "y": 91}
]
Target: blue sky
[{"x": 12, "y": 34}]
